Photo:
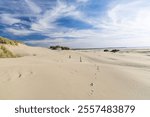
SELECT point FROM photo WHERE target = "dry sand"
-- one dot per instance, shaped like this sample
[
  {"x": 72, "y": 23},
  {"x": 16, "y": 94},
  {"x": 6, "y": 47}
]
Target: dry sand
[{"x": 47, "y": 74}]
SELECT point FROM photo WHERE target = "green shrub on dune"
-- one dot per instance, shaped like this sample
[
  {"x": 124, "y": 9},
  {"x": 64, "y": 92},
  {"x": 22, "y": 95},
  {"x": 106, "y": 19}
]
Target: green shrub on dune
[
  {"x": 8, "y": 42},
  {"x": 5, "y": 53}
]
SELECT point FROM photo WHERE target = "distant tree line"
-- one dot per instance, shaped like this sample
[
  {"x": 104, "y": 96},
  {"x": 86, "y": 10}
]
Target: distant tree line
[
  {"x": 59, "y": 47},
  {"x": 114, "y": 50}
]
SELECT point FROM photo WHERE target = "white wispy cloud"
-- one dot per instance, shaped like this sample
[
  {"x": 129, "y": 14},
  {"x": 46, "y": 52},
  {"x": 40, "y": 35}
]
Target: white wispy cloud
[
  {"x": 82, "y": 1},
  {"x": 22, "y": 32},
  {"x": 47, "y": 42},
  {"x": 128, "y": 21},
  {"x": 46, "y": 20},
  {"x": 8, "y": 19},
  {"x": 33, "y": 6},
  {"x": 124, "y": 24}
]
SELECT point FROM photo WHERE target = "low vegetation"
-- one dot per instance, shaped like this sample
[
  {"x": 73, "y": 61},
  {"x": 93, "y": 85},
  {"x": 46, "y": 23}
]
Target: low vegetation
[
  {"x": 59, "y": 47},
  {"x": 5, "y": 53},
  {"x": 8, "y": 42},
  {"x": 106, "y": 50},
  {"x": 115, "y": 50}
]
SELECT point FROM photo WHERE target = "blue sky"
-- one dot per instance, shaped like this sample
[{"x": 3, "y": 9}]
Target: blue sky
[{"x": 77, "y": 23}]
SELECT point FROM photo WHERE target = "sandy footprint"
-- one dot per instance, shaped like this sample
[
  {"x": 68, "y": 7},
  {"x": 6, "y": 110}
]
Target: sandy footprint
[
  {"x": 97, "y": 68},
  {"x": 91, "y": 92},
  {"x": 7, "y": 76},
  {"x": 92, "y": 84},
  {"x": 25, "y": 74},
  {"x": 19, "y": 75}
]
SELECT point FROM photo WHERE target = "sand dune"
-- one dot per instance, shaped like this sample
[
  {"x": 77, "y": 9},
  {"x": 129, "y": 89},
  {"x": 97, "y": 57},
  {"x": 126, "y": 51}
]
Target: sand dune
[{"x": 45, "y": 74}]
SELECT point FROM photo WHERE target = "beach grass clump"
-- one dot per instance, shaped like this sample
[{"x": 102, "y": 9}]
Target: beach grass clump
[
  {"x": 5, "y": 53},
  {"x": 8, "y": 42}
]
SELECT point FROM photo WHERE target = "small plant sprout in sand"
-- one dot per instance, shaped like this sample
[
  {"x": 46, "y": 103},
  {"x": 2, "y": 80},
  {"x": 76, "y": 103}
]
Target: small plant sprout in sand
[
  {"x": 80, "y": 59},
  {"x": 97, "y": 68},
  {"x": 69, "y": 56}
]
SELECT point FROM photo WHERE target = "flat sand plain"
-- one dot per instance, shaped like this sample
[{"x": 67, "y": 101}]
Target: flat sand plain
[{"x": 75, "y": 74}]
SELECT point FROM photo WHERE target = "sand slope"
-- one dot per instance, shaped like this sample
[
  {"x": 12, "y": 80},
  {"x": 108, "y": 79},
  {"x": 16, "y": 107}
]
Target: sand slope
[{"x": 47, "y": 74}]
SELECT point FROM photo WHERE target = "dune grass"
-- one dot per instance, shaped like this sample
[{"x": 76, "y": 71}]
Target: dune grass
[
  {"x": 5, "y": 53},
  {"x": 8, "y": 42}
]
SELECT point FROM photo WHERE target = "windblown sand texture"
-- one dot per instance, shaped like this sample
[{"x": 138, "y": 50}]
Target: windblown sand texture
[{"x": 88, "y": 74}]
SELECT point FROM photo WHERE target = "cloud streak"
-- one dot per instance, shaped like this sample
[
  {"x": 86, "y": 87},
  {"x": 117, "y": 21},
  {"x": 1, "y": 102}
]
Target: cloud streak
[
  {"x": 34, "y": 7},
  {"x": 8, "y": 19}
]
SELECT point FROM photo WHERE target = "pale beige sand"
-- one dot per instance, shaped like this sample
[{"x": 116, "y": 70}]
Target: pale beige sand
[{"x": 47, "y": 74}]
